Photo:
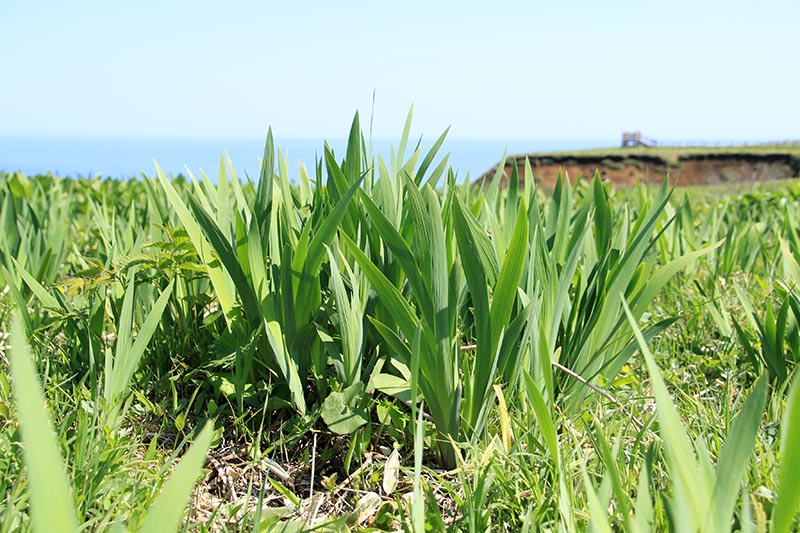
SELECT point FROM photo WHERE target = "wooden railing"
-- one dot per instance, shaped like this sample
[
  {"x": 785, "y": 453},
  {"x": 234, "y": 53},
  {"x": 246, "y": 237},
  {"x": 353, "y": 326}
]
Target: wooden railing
[{"x": 635, "y": 138}]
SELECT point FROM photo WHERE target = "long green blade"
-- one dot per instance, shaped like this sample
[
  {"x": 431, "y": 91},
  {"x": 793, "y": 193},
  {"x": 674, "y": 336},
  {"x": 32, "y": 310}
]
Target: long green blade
[
  {"x": 223, "y": 285},
  {"x": 788, "y": 499},
  {"x": 126, "y": 362},
  {"x": 392, "y": 298},
  {"x": 403, "y": 254},
  {"x": 505, "y": 293},
  {"x": 229, "y": 259},
  {"x": 689, "y": 489},
  {"x": 736, "y": 452},
  {"x": 167, "y": 511},
  {"x": 52, "y": 507},
  {"x": 543, "y": 417}
]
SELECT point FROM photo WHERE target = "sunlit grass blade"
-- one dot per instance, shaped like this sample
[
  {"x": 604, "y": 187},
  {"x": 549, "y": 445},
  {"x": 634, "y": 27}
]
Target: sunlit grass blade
[
  {"x": 264, "y": 190},
  {"x": 47, "y": 299},
  {"x": 598, "y": 516},
  {"x": 428, "y": 159},
  {"x": 327, "y": 229},
  {"x": 544, "y": 419},
  {"x": 644, "y": 520},
  {"x": 397, "y": 305},
  {"x": 610, "y": 460},
  {"x": 52, "y": 506},
  {"x": 167, "y": 511},
  {"x": 230, "y": 260},
  {"x": 690, "y": 494},
  {"x": 505, "y": 292},
  {"x": 402, "y": 254},
  {"x": 505, "y": 424},
  {"x": 352, "y": 160},
  {"x": 736, "y": 452},
  {"x": 477, "y": 256},
  {"x": 660, "y": 277},
  {"x": 286, "y": 363},
  {"x": 127, "y": 356},
  {"x": 787, "y": 503},
  {"x": 223, "y": 284},
  {"x": 351, "y": 323}
]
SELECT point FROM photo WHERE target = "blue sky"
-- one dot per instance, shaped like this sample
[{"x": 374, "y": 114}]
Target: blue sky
[{"x": 503, "y": 70}]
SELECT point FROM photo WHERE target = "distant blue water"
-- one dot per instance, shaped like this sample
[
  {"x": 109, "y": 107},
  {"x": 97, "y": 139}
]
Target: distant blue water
[{"x": 125, "y": 158}]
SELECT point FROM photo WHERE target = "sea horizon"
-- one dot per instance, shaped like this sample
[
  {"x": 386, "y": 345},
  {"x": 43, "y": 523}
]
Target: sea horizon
[{"x": 123, "y": 158}]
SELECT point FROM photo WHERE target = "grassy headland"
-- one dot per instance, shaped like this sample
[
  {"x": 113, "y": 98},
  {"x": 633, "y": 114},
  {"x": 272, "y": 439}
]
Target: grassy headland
[{"x": 692, "y": 165}]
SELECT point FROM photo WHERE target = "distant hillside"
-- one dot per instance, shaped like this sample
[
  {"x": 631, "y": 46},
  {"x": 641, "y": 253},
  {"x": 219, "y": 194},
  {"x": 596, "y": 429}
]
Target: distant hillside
[{"x": 685, "y": 166}]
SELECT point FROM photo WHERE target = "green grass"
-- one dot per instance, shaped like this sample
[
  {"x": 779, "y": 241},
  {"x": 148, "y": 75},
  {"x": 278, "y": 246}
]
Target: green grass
[{"x": 381, "y": 345}]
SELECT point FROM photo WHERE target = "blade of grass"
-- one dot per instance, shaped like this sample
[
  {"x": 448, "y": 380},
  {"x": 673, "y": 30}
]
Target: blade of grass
[
  {"x": 52, "y": 507},
  {"x": 223, "y": 284},
  {"x": 393, "y": 299},
  {"x": 689, "y": 489},
  {"x": 788, "y": 499},
  {"x": 167, "y": 511},
  {"x": 543, "y": 417},
  {"x": 229, "y": 259},
  {"x": 735, "y": 454},
  {"x": 127, "y": 359}
]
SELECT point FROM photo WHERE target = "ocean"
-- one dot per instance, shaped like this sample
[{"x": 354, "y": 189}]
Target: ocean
[{"x": 125, "y": 158}]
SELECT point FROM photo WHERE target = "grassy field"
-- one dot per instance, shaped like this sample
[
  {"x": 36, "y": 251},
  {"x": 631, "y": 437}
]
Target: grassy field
[{"x": 381, "y": 347}]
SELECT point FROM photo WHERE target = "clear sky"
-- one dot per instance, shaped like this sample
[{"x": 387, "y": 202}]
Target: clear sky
[{"x": 680, "y": 69}]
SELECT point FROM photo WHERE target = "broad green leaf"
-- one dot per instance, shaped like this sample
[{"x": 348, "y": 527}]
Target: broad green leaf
[
  {"x": 393, "y": 386},
  {"x": 660, "y": 277},
  {"x": 342, "y": 411},
  {"x": 476, "y": 256},
  {"x": 505, "y": 293},
  {"x": 437, "y": 173},
  {"x": 264, "y": 189},
  {"x": 398, "y": 349},
  {"x": 352, "y": 161},
  {"x": 350, "y": 323},
  {"x": 309, "y": 266},
  {"x": 397, "y": 161},
  {"x": 224, "y": 215},
  {"x": 791, "y": 269},
  {"x": 428, "y": 159},
  {"x": 124, "y": 331},
  {"x": 328, "y": 228},
  {"x": 258, "y": 260},
  {"x": 403, "y": 254}
]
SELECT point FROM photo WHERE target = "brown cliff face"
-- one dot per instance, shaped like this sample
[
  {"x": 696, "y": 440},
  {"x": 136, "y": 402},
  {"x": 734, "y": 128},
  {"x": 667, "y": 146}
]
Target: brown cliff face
[{"x": 627, "y": 171}]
